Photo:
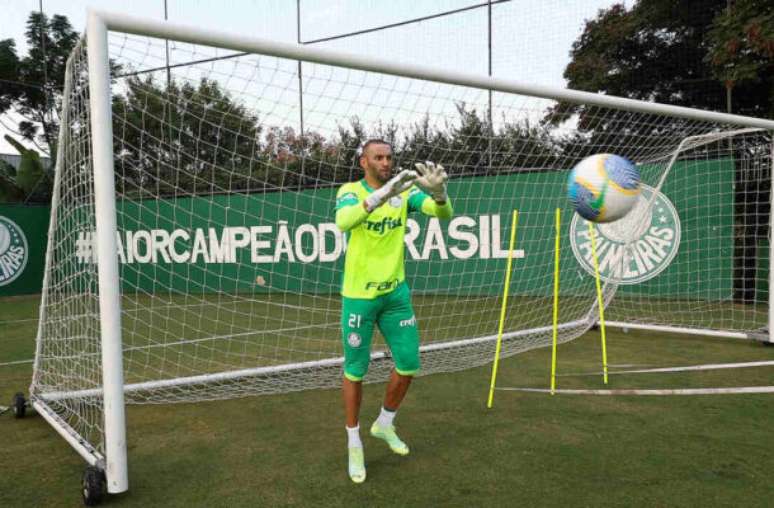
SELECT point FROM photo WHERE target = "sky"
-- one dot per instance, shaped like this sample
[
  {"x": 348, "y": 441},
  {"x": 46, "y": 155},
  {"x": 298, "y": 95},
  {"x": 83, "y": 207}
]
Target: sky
[{"x": 531, "y": 39}]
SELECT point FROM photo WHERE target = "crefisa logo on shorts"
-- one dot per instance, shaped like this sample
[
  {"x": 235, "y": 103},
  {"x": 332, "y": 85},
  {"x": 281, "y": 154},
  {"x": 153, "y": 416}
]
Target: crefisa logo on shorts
[
  {"x": 13, "y": 251},
  {"x": 354, "y": 340},
  {"x": 653, "y": 236}
]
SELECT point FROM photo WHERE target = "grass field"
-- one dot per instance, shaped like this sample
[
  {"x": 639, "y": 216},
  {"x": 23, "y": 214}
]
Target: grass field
[{"x": 529, "y": 450}]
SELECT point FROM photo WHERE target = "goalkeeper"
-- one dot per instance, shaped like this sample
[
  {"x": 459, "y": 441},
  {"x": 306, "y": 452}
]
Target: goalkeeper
[{"x": 373, "y": 212}]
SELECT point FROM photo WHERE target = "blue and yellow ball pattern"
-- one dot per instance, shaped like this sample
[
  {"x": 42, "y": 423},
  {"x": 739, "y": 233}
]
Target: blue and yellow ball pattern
[{"x": 603, "y": 187}]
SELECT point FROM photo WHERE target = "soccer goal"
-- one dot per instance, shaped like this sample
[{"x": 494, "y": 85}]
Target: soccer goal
[{"x": 192, "y": 252}]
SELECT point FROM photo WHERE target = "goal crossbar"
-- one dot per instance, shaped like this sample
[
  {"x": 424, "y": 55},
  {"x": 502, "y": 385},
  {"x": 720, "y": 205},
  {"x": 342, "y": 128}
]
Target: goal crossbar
[{"x": 197, "y": 35}]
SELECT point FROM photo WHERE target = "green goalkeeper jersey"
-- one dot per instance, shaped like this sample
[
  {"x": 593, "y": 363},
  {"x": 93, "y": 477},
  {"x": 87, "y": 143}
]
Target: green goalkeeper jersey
[{"x": 373, "y": 264}]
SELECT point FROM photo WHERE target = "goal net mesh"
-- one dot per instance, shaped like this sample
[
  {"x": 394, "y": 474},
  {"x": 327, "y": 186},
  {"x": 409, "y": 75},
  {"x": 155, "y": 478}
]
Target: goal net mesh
[{"x": 226, "y": 169}]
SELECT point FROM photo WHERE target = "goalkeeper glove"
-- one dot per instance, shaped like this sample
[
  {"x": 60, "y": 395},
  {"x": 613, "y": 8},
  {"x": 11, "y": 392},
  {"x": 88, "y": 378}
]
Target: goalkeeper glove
[
  {"x": 432, "y": 178},
  {"x": 397, "y": 184}
]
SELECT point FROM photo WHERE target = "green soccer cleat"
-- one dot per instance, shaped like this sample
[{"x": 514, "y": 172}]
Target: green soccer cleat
[
  {"x": 388, "y": 434},
  {"x": 357, "y": 470}
]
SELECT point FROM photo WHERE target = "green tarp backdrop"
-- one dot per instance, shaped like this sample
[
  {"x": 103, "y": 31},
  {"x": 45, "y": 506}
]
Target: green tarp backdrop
[
  {"x": 23, "y": 237},
  {"x": 287, "y": 241}
]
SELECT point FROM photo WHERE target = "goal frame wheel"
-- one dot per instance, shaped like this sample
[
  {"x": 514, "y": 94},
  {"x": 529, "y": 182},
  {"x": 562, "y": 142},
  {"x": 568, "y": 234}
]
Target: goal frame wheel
[
  {"x": 93, "y": 486},
  {"x": 19, "y": 405}
]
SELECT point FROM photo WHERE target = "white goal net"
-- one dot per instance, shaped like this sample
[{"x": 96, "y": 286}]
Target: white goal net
[{"x": 230, "y": 262}]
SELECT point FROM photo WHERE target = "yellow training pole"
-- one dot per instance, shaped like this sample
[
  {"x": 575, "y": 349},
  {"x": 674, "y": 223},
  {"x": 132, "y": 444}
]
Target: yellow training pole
[
  {"x": 514, "y": 221},
  {"x": 556, "y": 298},
  {"x": 600, "y": 301}
]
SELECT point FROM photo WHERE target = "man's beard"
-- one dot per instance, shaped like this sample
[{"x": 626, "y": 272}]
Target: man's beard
[{"x": 383, "y": 177}]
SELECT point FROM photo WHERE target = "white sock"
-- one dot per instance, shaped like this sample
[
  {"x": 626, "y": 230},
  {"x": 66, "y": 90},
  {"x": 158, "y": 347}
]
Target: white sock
[
  {"x": 385, "y": 418},
  {"x": 353, "y": 433}
]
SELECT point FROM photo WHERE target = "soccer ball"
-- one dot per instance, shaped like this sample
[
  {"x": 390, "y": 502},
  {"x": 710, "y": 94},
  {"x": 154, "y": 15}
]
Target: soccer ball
[{"x": 603, "y": 187}]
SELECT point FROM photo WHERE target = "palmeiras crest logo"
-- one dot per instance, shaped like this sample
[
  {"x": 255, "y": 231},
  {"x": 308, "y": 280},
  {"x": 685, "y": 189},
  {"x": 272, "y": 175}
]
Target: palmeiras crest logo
[
  {"x": 635, "y": 248},
  {"x": 354, "y": 340},
  {"x": 13, "y": 251}
]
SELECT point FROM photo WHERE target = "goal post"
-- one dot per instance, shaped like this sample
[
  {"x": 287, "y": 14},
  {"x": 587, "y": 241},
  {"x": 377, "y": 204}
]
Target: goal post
[
  {"x": 107, "y": 261},
  {"x": 192, "y": 252}
]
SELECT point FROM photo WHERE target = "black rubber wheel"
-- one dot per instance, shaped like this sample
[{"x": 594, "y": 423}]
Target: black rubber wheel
[
  {"x": 19, "y": 405},
  {"x": 94, "y": 486}
]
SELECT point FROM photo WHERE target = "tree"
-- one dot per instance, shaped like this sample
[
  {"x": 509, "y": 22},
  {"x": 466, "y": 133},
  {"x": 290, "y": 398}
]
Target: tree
[
  {"x": 184, "y": 138},
  {"x": 682, "y": 53},
  {"x": 10, "y": 192},
  {"x": 31, "y": 86},
  {"x": 690, "y": 53},
  {"x": 654, "y": 52},
  {"x": 30, "y": 182},
  {"x": 9, "y": 70},
  {"x": 471, "y": 146},
  {"x": 741, "y": 53}
]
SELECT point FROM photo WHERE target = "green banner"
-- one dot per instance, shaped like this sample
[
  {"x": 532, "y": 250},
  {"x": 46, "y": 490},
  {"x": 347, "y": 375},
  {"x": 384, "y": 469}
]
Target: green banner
[
  {"x": 23, "y": 236},
  {"x": 288, "y": 242}
]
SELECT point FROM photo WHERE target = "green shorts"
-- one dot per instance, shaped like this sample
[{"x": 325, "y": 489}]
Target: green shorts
[{"x": 394, "y": 315}]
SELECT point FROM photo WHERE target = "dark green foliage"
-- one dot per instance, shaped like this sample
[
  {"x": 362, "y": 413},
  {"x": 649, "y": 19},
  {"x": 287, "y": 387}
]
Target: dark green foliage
[
  {"x": 30, "y": 182},
  {"x": 32, "y": 84},
  {"x": 183, "y": 138},
  {"x": 9, "y": 191},
  {"x": 9, "y": 69},
  {"x": 741, "y": 54},
  {"x": 191, "y": 139},
  {"x": 679, "y": 53}
]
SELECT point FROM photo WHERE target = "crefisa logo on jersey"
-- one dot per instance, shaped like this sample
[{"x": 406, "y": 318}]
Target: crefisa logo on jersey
[
  {"x": 13, "y": 251},
  {"x": 652, "y": 235}
]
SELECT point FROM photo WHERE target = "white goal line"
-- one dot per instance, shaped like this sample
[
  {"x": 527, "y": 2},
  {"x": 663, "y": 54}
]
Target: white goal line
[
  {"x": 703, "y": 332},
  {"x": 17, "y": 362},
  {"x": 676, "y": 391},
  {"x": 709, "y": 366}
]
